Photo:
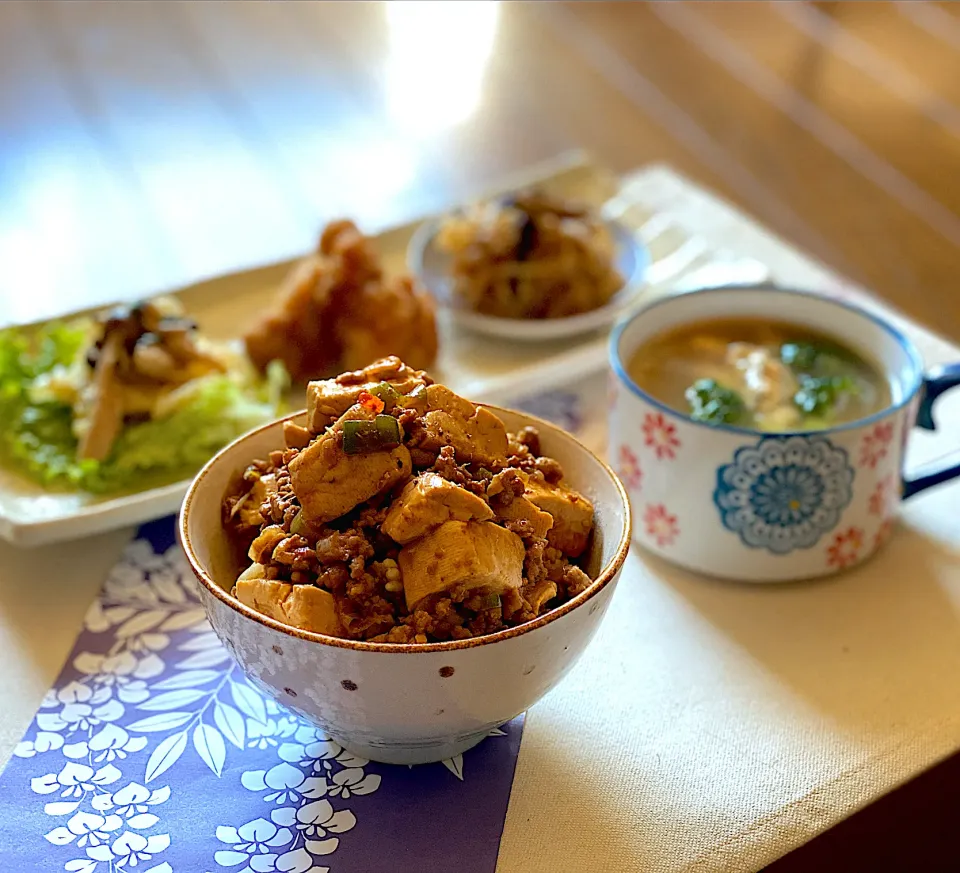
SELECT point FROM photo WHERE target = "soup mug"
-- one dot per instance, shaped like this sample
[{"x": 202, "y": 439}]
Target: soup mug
[{"x": 751, "y": 506}]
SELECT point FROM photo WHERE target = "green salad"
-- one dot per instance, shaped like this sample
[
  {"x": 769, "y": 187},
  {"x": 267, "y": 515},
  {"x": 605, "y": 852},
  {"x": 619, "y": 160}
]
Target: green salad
[{"x": 38, "y": 418}]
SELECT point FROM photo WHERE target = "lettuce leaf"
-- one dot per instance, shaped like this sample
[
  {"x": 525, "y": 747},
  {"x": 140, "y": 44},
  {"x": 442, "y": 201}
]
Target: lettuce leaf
[{"x": 37, "y": 440}]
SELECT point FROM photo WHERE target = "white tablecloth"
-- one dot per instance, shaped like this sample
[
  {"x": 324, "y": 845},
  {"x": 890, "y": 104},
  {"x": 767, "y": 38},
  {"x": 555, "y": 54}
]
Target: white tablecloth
[{"x": 710, "y": 726}]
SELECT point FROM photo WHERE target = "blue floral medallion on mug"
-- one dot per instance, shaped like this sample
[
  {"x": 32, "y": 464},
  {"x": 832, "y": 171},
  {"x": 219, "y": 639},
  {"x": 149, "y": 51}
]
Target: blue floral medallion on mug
[{"x": 785, "y": 492}]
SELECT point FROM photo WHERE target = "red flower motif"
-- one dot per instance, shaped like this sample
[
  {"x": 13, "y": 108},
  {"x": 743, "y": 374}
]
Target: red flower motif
[
  {"x": 876, "y": 444},
  {"x": 629, "y": 469},
  {"x": 660, "y": 524},
  {"x": 660, "y": 435},
  {"x": 880, "y": 498},
  {"x": 883, "y": 532},
  {"x": 845, "y": 548}
]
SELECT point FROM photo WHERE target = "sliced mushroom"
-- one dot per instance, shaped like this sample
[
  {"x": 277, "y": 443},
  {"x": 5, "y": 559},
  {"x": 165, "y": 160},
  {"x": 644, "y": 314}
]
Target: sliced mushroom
[
  {"x": 152, "y": 360},
  {"x": 179, "y": 341},
  {"x": 105, "y": 403}
]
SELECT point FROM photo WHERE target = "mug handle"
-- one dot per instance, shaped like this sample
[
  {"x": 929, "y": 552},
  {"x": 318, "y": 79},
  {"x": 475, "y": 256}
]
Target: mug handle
[{"x": 938, "y": 381}]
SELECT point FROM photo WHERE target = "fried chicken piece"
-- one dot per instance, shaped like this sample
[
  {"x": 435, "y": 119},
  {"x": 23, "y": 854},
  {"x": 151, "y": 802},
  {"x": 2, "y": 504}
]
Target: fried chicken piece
[
  {"x": 337, "y": 311},
  {"x": 392, "y": 317},
  {"x": 298, "y": 331}
]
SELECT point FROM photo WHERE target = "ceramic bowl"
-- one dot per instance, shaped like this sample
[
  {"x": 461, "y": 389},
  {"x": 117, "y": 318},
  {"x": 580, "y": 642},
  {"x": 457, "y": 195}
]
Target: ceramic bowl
[
  {"x": 405, "y": 704},
  {"x": 432, "y": 266},
  {"x": 759, "y": 507}
]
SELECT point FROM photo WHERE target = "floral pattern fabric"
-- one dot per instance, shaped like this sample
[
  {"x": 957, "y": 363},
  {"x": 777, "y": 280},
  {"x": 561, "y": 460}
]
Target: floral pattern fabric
[{"x": 152, "y": 753}]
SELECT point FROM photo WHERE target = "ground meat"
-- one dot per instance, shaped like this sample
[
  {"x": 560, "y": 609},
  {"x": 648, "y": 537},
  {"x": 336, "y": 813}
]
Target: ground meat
[
  {"x": 551, "y": 469},
  {"x": 505, "y": 486},
  {"x": 521, "y": 527},
  {"x": 296, "y": 553},
  {"x": 447, "y": 618},
  {"x": 487, "y": 622},
  {"x": 385, "y": 370},
  {"x": 232, "y": 519},
  {"x": 534, "y": 570},
  {"x": 522, "y": 460},
  {"x": 365, "y": 612},
  {"x": 352, "y": 558},
  {"x": 371, "y": 517},
  {"x": 343, "y": 547},
  {"x": 281, "y": 505},
  {"x": 333, "y": 577},
  {"x": 554, "y": 563},
  {"x": 575, "y": 581},
  {"x": 414, "y": 437},
  {"x": 447, "y": 467},
  {"x": 238, "y": 509},
  {"x": 402, "y": 633},
  {"x": 354, "y": 377},
  {"x": 529, "y": 437},
  {"x": 410, "y": 424},
  {"x": 256, "y": 470}
]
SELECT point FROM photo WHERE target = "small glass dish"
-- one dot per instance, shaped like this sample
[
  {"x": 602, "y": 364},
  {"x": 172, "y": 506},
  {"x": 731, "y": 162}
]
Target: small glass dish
[{"x": 432, "y": 266}]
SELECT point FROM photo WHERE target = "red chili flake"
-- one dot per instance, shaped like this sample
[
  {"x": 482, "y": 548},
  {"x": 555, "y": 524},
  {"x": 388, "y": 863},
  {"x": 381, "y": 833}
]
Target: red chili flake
[{"x": 369, "y": 401}]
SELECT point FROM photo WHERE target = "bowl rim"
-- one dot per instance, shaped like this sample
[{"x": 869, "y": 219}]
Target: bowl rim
[
  {"x": 631, "y": 288},
  {"x": 607, "y": 573},
  {"x": 913, "y": 385}
]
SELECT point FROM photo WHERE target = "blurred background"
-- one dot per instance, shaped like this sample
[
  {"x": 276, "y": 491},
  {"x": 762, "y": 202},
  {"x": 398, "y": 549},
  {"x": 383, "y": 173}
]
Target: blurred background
[{"x": 144, "y": 145}]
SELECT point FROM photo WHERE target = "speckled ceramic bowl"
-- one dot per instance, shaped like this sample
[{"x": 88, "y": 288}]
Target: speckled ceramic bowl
[{"x": 405, "y": 704}]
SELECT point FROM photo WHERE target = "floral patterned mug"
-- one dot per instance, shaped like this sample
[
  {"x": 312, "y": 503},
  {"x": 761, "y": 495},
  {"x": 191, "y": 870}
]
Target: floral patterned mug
[{"x": 751, "y": 506}]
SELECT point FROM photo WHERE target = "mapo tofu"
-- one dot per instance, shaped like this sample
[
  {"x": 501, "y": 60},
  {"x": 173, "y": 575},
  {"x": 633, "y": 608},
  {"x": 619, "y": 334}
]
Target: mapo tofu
[{"x": 401, "y": 513}]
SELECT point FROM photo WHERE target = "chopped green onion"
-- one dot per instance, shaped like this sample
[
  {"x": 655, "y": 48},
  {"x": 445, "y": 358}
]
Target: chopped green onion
[
  {"x": 484, "y": 473},
  {"x": 298, "y": 523},
  {"x": 490, "y": 601},
  {"x": 808, "y": 359},
  {"x": 801, "y": 357},
  {"x": 714, "y": 403},
  {"x": 387, "y": 393},
  {"x": 818, "y": 396},
  {"x": 360, "y": 437}
]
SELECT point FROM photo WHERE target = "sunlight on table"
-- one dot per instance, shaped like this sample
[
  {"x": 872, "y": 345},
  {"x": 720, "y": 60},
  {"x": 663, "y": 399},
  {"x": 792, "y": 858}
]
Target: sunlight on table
[{"x": 438, "y": 54}]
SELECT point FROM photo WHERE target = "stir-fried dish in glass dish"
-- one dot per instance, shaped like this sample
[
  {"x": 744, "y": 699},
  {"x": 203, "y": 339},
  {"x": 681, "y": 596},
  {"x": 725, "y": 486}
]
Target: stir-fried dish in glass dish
[
  {"x": 530, "y": 256},
  {"x": 403, "y": 513}
]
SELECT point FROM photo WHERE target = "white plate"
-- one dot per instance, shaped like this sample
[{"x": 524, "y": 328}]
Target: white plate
[
  {"x": 432, "y": 266},
  {"x": 225, "y": 305},
  {"x": 684, "y": 237}
]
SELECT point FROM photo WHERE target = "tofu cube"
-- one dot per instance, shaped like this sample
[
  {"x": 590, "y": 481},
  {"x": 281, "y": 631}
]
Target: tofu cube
[
  {"x": 429, "y": 501},
  {"x": 480, "y": 555}
]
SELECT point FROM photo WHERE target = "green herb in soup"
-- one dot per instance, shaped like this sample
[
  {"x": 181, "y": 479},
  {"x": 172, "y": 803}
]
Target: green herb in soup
[
  {"x": 712, "y": 402},
  {"x": 765, "y": 375}
]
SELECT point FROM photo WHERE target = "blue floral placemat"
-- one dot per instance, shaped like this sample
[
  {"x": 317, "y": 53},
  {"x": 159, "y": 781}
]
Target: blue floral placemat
[{"x": 152, "y": 753}]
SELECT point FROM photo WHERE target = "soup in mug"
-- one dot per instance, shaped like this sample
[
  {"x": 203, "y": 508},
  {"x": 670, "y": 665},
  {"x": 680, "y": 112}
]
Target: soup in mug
[{"x": 759, "y": 374}]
